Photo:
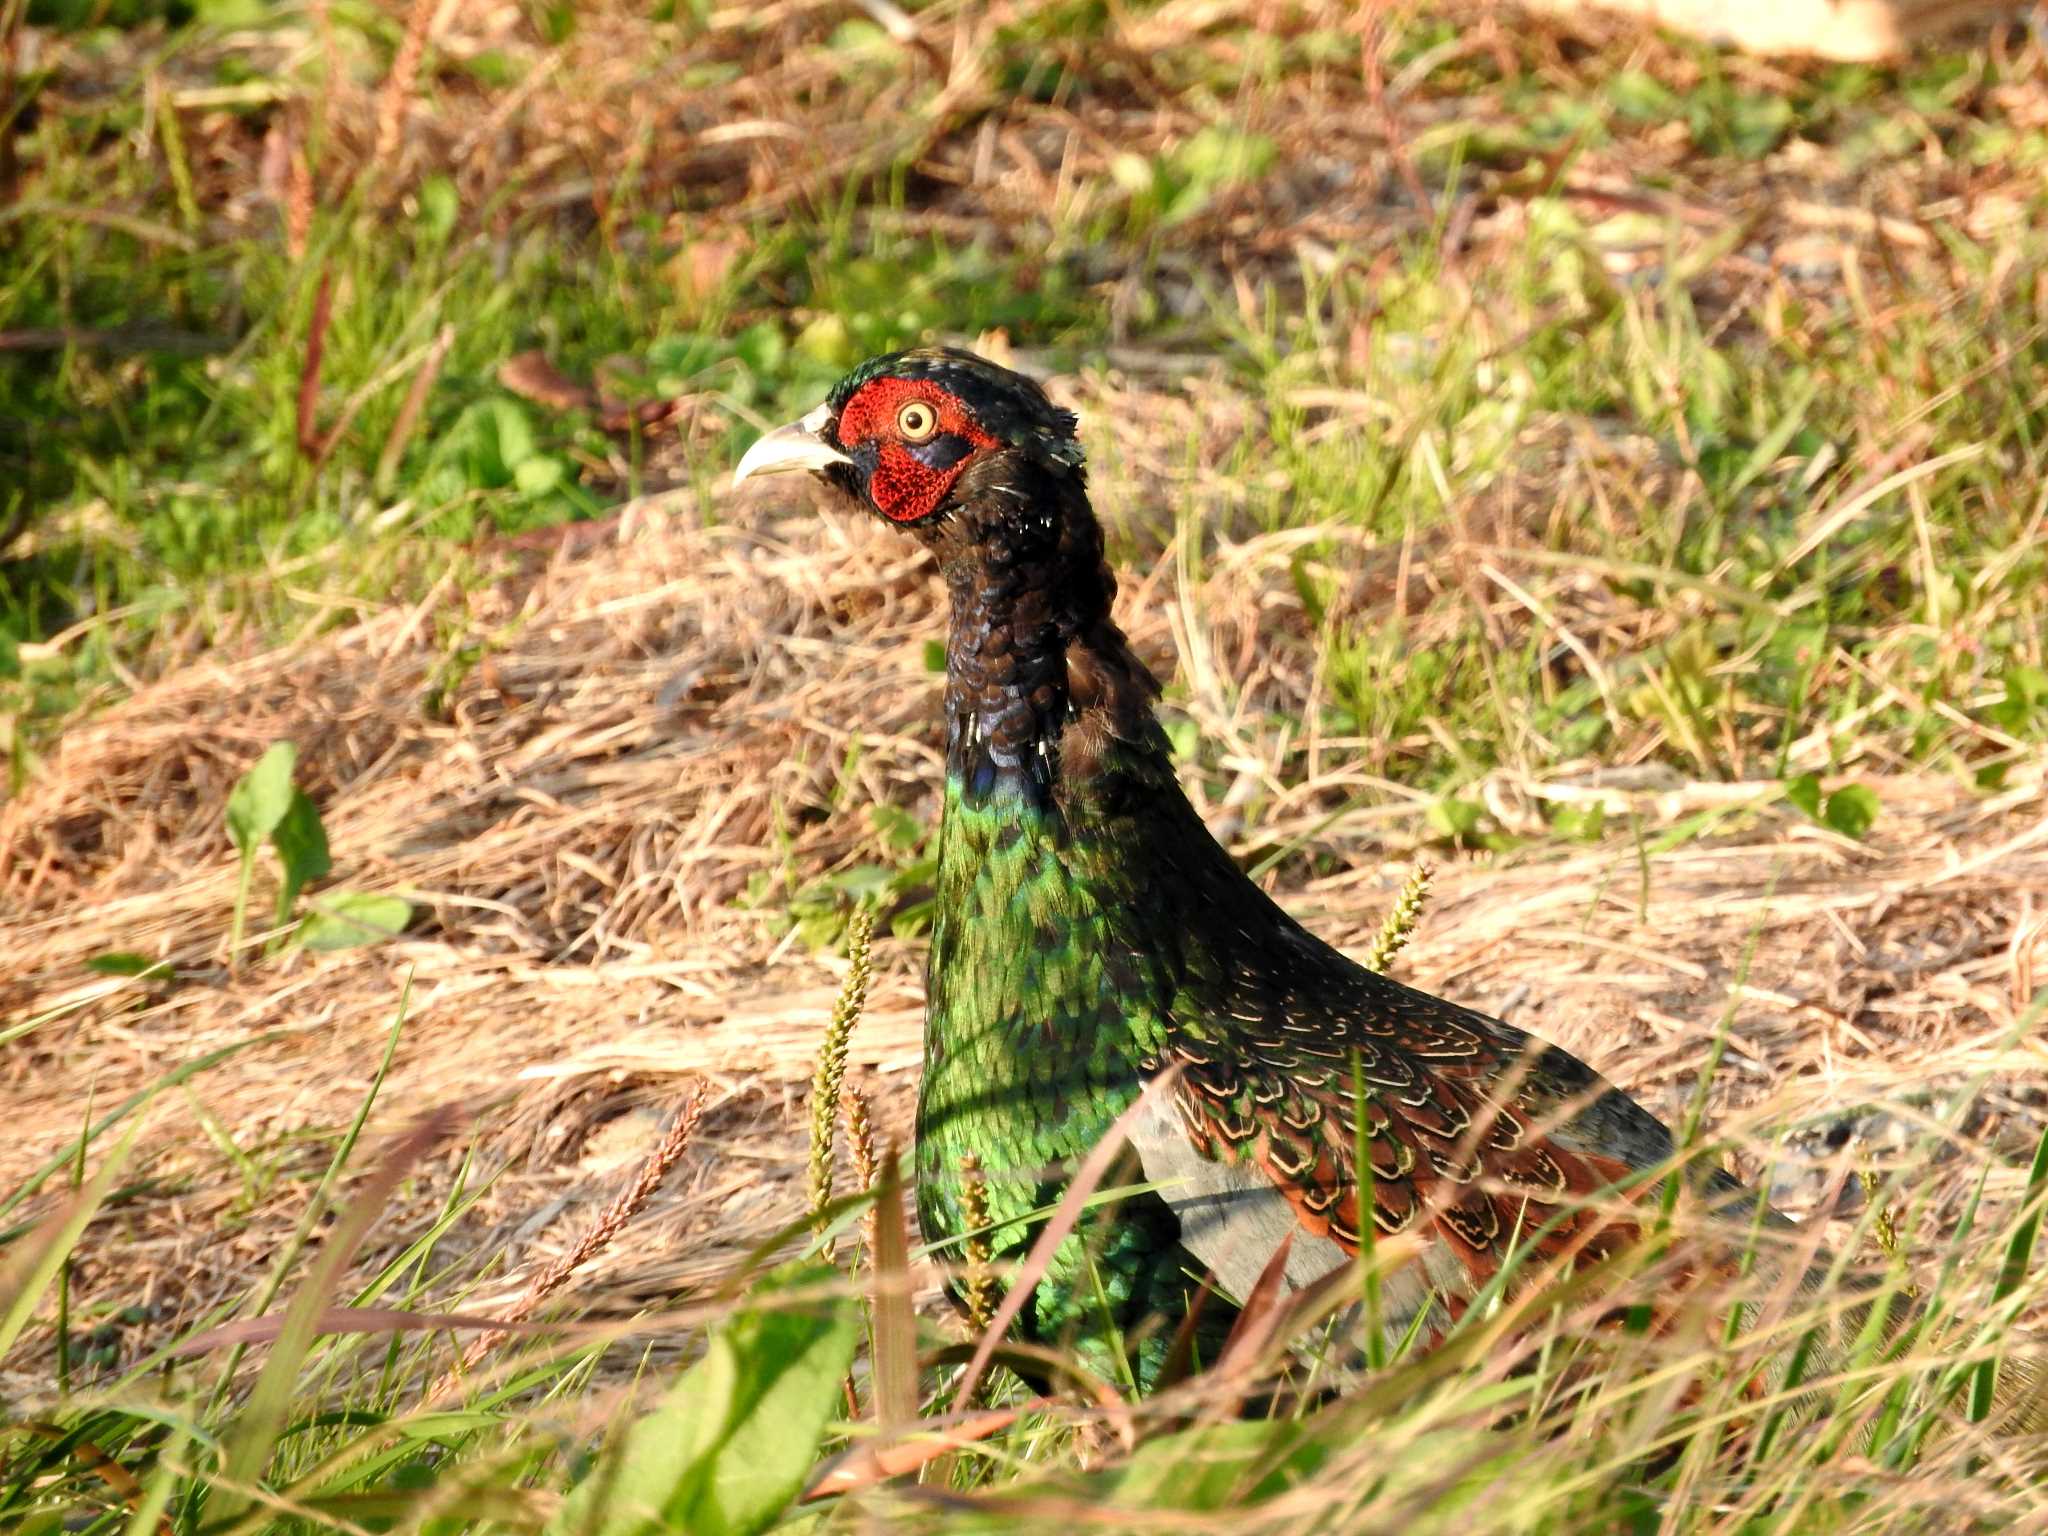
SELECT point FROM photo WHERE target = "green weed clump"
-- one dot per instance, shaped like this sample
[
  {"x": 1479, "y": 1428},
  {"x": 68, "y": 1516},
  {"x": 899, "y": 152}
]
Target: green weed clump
[{"x": 267, "y": 807}]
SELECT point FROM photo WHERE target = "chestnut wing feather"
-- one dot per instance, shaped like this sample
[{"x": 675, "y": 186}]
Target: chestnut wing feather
[{"x": 1473, "y": 1129}]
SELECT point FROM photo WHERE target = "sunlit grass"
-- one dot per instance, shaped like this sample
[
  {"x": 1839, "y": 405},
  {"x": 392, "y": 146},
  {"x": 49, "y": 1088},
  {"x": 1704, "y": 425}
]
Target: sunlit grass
[
  {"x": 1551, "y": 498},
  {"x": 1537, "y": 1411}
]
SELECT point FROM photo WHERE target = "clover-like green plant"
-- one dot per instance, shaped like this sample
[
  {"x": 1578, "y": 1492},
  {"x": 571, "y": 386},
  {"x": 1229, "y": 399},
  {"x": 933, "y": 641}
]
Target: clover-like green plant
[{"x": 267, "y": 806}]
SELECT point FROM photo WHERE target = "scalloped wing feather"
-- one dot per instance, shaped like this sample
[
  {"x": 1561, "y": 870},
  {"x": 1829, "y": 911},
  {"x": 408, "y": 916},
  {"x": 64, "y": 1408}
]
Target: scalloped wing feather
[{"x": 1455, "y": 1134}]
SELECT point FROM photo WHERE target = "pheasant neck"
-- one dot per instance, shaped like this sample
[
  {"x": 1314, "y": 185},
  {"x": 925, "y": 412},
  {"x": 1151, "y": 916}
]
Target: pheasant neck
[
  {"x": 1046, "y": 989},
  {"x": 1040, "y": 683}
]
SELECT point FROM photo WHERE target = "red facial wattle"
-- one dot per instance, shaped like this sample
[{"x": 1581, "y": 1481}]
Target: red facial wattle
[{"x": 909, "y": 480}]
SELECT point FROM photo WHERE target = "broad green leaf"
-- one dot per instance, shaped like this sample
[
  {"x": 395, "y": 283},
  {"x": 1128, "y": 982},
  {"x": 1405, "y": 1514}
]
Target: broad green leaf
[
  {"x": 1851, "y": 810},
  {"x": 1757, "y": 122},
  {"x": 1215, "y": 157},
  {"x": 1454, "y": 819},
  {"x": 301, "y": 844},
  {"x": 899, "y": 831},
  {"x": 762, "y": 348},
  {"x": 537, "y": 474},
  {"x": 346, "y": 919},
  {"x": 730, "y": 1444},
  {"x": 262, "y": 797},
  {"x": 512, "y": 437},
  {"x": 2026, "y": 696},
  {"x": 1804, "y": 792},
  {"x": 1584, "y": 823}
]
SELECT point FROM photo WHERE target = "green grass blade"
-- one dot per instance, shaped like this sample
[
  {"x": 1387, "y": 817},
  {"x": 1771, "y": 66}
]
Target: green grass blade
[
  {"x": 30, "y": 1270},
  {"x": 263, "y": 1418},
  {"x": 2019, "y": 1252}
]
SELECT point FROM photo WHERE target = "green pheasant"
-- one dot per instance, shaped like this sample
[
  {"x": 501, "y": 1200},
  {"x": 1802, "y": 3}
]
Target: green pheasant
[{"x": 1090, "y": 935}]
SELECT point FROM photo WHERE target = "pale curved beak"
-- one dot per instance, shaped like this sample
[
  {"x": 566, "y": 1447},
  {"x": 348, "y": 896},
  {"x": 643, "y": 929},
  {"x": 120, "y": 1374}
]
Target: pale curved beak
[{"x": 800, "y": 445}]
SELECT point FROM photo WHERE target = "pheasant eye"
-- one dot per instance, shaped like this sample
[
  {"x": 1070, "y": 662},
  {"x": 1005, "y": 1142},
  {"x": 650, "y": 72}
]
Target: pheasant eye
[{"x": 917, "y": 421}]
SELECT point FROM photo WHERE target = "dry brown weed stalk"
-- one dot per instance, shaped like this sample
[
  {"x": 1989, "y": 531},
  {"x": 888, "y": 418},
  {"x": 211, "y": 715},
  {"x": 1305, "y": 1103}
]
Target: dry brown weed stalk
[
  {"x": 860, "y": 1136},
  {"x": 396, "y": 97},
  {"x": 629, "y": 1202}
]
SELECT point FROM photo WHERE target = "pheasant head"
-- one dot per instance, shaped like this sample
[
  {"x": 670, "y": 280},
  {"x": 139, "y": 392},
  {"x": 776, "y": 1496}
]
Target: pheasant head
[
  {"x": 983, "y": 469},
  {"x": 918, "y": 437}
]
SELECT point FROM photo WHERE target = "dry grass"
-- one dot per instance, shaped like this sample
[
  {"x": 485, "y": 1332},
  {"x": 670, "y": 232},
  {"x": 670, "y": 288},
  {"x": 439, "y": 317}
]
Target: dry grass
[{"x": 579, "y": 822}]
